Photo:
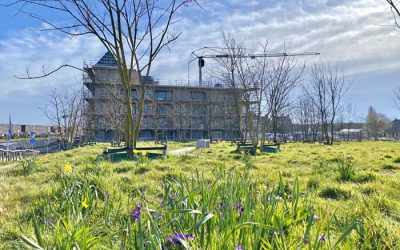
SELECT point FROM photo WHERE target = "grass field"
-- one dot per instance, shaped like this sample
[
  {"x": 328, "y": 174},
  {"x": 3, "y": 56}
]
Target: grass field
[{"x": 306, "y": 197}]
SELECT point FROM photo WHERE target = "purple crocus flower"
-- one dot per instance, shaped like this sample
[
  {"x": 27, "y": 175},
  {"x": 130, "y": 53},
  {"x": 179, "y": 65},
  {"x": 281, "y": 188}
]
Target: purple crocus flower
[
  {"x": 161, "y": 204},
  {"x": 136, "y": 213},
  {"x": 171, "y": 196},
  {"x": 50, "y": 222},
  {"x": 174, "y": 239},
  {"x": 239, "y": 247}
]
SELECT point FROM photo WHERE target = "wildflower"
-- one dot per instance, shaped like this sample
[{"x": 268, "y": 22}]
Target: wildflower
[
  {"x": 239, "y": 208},
  {"x": 258, "y": 151},
  {"x": 50, "y": 222},
  {"x": 85, "y": 203},
  {"x": 321, "y": 238},
  {"x": 262, "y": 187},
  {"x": 136, "y": 213},
  {"x": 315, "y": 217},
  {"x": 67, "y": 168},
  {"x": 277, "y": 197},
  {"x": 239, "y": 247},
  {"x": 171, "y": 196},
  {"x": 176, "y": 237},
  {"x": 242, "y": 153},
  {"x": 161, "y": 204},
  {"x": 135, "y": 151},
  {"x": 144, "y": 153}
]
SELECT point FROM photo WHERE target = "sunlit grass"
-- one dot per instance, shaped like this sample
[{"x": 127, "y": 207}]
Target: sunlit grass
[{"x": 370, "y": 198}]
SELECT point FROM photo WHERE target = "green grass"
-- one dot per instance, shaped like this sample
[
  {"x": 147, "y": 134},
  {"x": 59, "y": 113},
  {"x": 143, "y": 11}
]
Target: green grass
[{"x": 356, "y": 201}]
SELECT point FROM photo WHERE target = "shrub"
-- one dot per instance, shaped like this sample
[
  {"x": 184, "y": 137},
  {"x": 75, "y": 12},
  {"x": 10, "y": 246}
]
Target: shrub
[{"x": 346, "y": 168}]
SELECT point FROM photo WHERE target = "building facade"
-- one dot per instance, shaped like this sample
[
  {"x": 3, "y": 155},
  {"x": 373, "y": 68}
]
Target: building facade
[{"x": 173, "y": 111}]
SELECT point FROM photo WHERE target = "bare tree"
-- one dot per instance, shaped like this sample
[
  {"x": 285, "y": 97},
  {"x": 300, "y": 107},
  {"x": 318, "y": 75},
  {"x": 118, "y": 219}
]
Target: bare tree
[
  {"x": 65, "y": 111},
  {"x": 284, "y": 75},
  {"x": 307, "y": 118},
  {"x": 134, "y": 32},
  {"x": 231, "y": 71},
  {"x": 327, "y": 88},
  {"x": 115, "y": 111},
  {"x": 395, "y": 11}
]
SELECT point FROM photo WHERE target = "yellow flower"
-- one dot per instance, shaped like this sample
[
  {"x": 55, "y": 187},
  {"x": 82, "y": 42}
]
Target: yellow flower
[
  {"x": 85, "y": 204},
  {"x": 262, "y": 187},
  {"x": 144, "y": 153},
  {"x": 258, "y": 151},
  {"x": 67, "y": 168},
  {"x": 135, "y": 151}
]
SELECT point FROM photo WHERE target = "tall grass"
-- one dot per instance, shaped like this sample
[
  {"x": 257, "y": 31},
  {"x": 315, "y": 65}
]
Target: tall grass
[
  {"x": 226, "y": 212},
  {"x": 346, "y": 168}
]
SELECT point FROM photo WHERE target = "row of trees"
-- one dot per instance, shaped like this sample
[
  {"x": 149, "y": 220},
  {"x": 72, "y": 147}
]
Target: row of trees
[{"x": 268, "y": 87}]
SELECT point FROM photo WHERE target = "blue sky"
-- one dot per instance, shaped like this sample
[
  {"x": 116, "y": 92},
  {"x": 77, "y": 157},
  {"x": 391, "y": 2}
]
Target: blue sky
[{"x": 356, "y": 34}]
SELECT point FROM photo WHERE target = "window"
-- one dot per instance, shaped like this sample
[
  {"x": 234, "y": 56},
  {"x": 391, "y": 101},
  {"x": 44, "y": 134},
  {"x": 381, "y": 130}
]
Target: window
[
  {"x": 198, "y": 96},
  {"x": 198, "y": 110},
  {"x": 163, "y": 95},
  {"x": 134, "y": 94},
  {"x": 164, "y": 109},
  {"x": 148, "y": 108}
]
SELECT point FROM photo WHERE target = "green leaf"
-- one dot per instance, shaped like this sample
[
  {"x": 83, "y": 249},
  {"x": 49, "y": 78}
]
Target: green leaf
[
  {"x": 204, "y": 220},
  {"x": 31, "y": 243},
  {"x": 184, "y": 211}
]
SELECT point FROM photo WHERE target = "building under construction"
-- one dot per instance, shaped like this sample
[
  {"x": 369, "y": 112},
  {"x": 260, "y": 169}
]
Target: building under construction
[{"x": 173, "y": 111}]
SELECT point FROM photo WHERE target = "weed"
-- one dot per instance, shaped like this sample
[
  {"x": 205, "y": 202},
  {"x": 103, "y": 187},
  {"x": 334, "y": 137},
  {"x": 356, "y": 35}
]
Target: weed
[
  {"x": 346, "y": 168},
  {"x": 29, "y": 165}
]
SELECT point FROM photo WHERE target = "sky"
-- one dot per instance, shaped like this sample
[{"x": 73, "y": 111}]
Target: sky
[{"x": 357, "y": 34}]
